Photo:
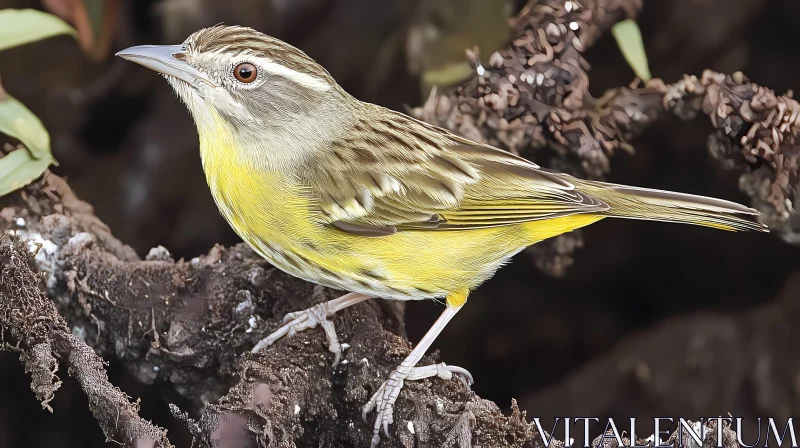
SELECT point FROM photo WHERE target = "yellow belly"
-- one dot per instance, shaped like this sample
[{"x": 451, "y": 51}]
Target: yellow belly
[
  {"x": 272, "y": 216},
  {"x": 271, "y": 212}
]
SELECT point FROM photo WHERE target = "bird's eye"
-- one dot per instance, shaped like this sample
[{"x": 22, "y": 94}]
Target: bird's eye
[{"x": 245, "y": 72}]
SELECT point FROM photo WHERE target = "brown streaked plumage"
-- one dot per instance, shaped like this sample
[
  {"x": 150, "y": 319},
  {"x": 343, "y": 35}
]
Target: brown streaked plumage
[{"x": 357, "y": 197}]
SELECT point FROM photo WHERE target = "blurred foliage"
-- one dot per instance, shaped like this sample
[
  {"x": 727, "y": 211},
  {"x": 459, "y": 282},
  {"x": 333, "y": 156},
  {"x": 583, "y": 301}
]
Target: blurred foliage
[
  {"x": 629, "y": 39},
  {"x": 94, "y": 20},
  {"x": 19, "y": 122},
  {"x": 19, "y": 168},
  {"x": 444, "y": 29},
  {"x": 22, "y": 26},
  {"x": 28, "y": 161}
]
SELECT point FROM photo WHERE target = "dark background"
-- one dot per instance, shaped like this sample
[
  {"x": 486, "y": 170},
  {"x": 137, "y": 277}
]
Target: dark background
[{"x": 127, "y": 146}]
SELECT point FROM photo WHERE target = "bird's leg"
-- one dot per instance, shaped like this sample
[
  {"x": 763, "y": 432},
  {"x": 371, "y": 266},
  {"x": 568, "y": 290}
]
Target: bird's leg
[
  {"x": 316, "y": 315},
  {"x": 383, "y": 400}
]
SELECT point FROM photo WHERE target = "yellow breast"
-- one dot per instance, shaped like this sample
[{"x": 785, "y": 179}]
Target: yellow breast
[{"x": 261, "y": 206}]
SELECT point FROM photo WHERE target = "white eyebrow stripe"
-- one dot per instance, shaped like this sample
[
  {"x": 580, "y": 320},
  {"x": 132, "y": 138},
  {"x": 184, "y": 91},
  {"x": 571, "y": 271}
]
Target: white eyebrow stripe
[{"x": 300, "y": 78}]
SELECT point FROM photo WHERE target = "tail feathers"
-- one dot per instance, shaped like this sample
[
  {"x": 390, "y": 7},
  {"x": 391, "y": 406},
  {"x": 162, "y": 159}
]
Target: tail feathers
[{"x": 658, "y": 205}]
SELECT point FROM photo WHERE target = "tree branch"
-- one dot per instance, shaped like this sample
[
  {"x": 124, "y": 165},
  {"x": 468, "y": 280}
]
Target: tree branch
[
  {"x": 189, "y": 325},
  {"x": 44, "y": 338}
]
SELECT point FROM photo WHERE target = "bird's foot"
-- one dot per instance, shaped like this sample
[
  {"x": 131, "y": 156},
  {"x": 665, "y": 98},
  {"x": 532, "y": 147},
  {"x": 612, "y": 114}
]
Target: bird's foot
[
  {"x": 298, "y": 321},
  {"x": 383, "y": 400}
]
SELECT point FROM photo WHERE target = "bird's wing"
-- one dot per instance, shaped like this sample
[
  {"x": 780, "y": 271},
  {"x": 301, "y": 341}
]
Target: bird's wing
[{"x": 397, "y": 173}]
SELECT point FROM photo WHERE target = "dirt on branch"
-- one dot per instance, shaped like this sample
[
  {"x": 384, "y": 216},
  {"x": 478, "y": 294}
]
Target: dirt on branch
[
  {"x": 188, "y": 325},
  {"x": 43, "y": 339}
]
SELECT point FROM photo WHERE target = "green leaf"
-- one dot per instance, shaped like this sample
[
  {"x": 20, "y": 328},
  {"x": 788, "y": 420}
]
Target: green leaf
[
  {"x": 629, "y": 39},
  {"x": 22, "y": 26},
  {"x": 445, "y": 76},
  {"x": 19, "y": 122},
  {"x": 19, "y": 168}
]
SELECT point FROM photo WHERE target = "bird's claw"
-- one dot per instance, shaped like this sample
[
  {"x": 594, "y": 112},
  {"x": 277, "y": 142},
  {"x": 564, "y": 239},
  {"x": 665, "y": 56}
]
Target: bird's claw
[
  {"x": 383, "y": 400},
  {"x": 298, "y": 321},
  {"x": 442, "y": 371}
]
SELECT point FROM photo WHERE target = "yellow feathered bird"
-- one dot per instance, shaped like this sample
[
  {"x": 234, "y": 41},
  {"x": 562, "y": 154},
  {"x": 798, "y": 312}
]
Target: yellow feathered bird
[{"x": 364, "y": 199}]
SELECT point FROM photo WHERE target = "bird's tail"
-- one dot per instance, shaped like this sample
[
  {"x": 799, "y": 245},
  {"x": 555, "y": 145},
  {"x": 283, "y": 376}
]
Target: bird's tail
[{"x": 668, "y": 206}]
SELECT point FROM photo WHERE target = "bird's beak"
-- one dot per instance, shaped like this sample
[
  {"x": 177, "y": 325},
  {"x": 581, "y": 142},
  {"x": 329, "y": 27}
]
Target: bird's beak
[{"x": 162, "y": 58}]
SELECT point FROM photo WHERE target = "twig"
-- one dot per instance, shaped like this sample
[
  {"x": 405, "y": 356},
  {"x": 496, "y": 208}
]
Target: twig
[{"x": 44, "y": 336}]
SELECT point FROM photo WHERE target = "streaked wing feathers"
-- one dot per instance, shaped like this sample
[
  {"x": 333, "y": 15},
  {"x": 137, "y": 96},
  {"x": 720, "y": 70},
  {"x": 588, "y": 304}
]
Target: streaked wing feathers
[{"x": 404, "y": 174}]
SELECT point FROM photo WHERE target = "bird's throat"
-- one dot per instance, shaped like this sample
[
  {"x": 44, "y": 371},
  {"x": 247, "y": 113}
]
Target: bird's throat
[{"x": 265, "y": 207}]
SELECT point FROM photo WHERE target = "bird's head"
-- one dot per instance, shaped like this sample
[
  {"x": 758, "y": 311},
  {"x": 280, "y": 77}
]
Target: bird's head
[{"x": 248, "y": 79}]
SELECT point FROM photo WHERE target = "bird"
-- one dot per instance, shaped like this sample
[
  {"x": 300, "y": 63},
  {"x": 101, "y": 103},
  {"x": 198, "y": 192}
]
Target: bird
[{"x": 370, "y": 201}]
